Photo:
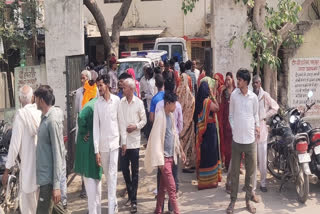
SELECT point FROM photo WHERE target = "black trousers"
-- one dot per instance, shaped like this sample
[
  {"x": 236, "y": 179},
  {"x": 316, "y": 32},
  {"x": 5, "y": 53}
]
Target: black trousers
[
  {"x": 45, "y": 202},
  {"x": 147, "y": 128},
  {"x": 131, "y": 156}
]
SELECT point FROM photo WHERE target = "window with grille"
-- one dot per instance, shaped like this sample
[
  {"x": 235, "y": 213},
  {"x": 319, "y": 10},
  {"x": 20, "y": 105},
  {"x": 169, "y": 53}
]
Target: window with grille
[{"x": 197, "y": 53}]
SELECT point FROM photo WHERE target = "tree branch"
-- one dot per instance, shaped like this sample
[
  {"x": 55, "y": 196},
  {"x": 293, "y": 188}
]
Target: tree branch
[
  {"x": 316, "y": 9},
  {"x": 118, "y": 20},
  {"x": 98, "y": 16},
  {"x": 285, "y": 30}
]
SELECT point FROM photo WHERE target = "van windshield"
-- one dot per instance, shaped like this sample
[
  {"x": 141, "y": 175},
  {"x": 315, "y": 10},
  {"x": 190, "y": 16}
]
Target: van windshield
[
  {"x": 137, "y": 67},
  {"x": 176, "y": 50}
]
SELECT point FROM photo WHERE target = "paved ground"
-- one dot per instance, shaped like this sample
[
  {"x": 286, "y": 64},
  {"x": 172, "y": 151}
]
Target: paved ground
[{"x": 193, "y": 201}]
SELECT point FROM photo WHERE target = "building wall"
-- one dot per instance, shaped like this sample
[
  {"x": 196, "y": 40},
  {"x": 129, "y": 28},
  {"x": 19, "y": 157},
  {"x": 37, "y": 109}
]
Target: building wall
[
  {"x": 64, "y": 37},
  {"x": 226, "y": 27},
  {"x": 163, "y": 13},
  {"x": 311, "y": 45},
  {"x": 309, "y": 50}
]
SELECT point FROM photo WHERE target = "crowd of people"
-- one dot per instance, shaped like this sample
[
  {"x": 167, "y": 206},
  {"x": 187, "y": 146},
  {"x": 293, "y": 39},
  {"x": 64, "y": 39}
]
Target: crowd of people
[{"x": 198, "y": 117}]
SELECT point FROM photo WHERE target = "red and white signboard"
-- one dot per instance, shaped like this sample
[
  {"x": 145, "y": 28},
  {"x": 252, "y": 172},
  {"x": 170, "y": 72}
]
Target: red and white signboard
[{"x": 304, "y": 76}]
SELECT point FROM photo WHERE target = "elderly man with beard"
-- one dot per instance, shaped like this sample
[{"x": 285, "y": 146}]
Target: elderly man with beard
[
  {"x": 23, "y": 143},
  {"x": 267, "y": 108}
]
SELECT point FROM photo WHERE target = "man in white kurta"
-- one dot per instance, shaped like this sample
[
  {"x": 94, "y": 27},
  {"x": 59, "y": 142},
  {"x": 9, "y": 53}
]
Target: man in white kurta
[
  {"x": 23, "y": 143},
  {"x": 267, "y": 108},
  {"x": 106, "y": 137}
]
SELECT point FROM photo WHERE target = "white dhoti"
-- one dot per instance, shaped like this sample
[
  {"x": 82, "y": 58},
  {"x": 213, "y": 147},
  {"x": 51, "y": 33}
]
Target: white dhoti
[
  {"x": 93, "y": 189},
  {"x": 109, "y": 162},
  {"x": 262, "y": 164},
  {"x": 28, "y": 202}
]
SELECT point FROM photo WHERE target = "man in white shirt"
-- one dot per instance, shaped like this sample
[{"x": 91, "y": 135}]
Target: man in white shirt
[
  {"x": 147, "y": 89},
  {"x": 23, "y": 143},
  {"x": 113, "y": 75},
  {"x": 106, "y": 137},
  {"x": 195, "y": 70},
  {"x": 132, "y": 119},
  {"x": 244, "y": 122},
  {"x": 148, "y": 86},
  {"x": 267, "y": 108}
]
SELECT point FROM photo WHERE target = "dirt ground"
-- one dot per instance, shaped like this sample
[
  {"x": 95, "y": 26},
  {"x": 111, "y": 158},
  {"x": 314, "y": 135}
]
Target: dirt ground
[{"x": 192, "y": 201}]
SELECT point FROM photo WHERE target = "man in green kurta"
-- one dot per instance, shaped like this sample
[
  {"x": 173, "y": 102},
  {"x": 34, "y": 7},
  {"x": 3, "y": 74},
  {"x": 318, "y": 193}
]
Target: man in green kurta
[{"x": 85, "y": 163}]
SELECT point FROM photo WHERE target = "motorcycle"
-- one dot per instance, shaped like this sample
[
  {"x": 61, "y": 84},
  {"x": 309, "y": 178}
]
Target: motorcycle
[
  {"x": 9, "y": 194},
  {"x": 298, "y": 125},
  {"x": 288, "y": 157}
]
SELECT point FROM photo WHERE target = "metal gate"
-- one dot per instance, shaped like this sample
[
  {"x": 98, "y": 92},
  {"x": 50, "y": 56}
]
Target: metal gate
[{"x": 74, "y": 66}]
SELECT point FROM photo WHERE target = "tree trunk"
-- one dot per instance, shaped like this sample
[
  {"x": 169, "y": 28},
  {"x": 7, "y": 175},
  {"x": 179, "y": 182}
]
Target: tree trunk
[
  {"x": 98, "y": 16},
  {"x": 115, "y": 47},
  {"x": 258, "y": 62},
  {"x": 270, "y": 75},
  {"x": 117, "y": 24},
  {"x": 111, "y": 44},
  {"x": 259, "y": 14},
  {"x": 270, "y": 81},
  {"x": 270, "y": 78}
]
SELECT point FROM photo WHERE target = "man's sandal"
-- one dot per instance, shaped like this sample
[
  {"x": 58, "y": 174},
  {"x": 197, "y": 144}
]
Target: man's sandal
[
  {"x": 231, "y": 207},
  {"x": 250, "y": 208}
]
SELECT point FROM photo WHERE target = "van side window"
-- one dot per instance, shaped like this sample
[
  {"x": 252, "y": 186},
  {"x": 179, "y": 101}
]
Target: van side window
[{"x": 164, "y": 48}]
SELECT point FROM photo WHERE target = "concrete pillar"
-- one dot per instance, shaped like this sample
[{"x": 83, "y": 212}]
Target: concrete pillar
[
  {"x": 64, "y": 37},
  {"x": 224, "y": 28}
]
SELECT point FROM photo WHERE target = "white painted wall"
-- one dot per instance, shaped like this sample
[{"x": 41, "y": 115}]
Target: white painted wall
[
  {"x": 230, "y": 20},
  {"x": 64, "y": 37},
  {"x": 310, "y": 49},
  {"x": 163, "y": 13}
]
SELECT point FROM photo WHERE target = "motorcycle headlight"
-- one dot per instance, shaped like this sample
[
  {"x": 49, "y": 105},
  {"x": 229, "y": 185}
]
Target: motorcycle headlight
[{"x": 292, "y": 119}]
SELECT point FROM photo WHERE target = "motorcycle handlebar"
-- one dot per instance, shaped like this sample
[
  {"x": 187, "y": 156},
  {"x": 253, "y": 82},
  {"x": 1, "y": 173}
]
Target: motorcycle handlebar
[
  {"x": 309, "y": 107},
  {"x": 312, "y": 105}
]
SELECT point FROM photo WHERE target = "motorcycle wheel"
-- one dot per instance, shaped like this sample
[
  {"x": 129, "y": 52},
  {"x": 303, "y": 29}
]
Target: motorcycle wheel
[
  {"x": 273, "y": 162},
  {"x": 12, "y": 194},
  {"x": 302, "y": 185}
]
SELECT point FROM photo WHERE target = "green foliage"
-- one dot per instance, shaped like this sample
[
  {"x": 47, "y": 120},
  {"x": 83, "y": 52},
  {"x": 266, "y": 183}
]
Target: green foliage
[
  {"x": 188, "y": 5},
  {"x": 293, "y": 40},
  {"x": 249, "y": 3},
  {"x": 287, "y": 13},
  {"x": 18, "y": 22},
  {"x": 264, "y": 45},
  {"x": 257, "y": 43}
]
